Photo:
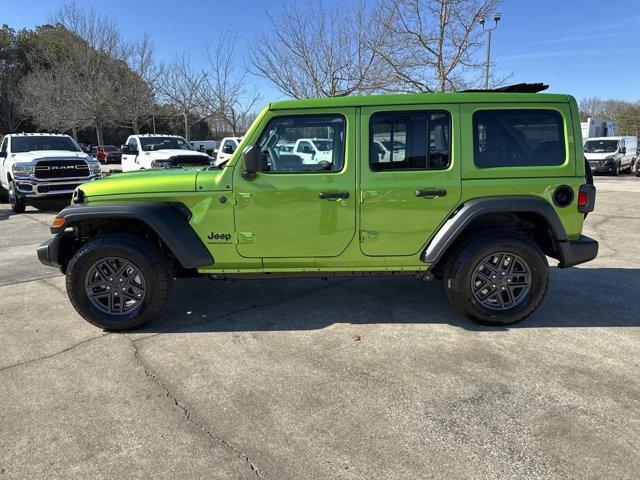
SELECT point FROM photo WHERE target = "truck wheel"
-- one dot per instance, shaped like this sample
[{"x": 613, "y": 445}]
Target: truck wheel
[
  {"x": 615, "y": 171},
  {"x": 119, "y": 282},
  {"x": 17, "y": 201},
  {"x": 4, "y": 195},
  {"x": 498, "y": 279}
]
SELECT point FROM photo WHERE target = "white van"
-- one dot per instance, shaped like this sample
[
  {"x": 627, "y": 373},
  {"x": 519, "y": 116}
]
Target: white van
[{"x": 611, "y": 154}]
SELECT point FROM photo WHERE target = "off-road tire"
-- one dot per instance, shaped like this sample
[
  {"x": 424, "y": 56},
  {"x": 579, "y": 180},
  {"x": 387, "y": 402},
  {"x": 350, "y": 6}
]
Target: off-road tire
[
  {"x": 152, "y": 263},
  {"x": 4, "y": 195},
  {"x": 460, "y": 268},
  {"x": 17, "y": 201}
]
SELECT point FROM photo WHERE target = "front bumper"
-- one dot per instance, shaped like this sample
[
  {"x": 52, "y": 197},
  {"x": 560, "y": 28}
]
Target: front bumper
[
  {"x": 48, "y": 251},
  {"x": 602, "y": 166},
  {"x": 578, "y": 251},
  {"x": 31, "y": 187}
]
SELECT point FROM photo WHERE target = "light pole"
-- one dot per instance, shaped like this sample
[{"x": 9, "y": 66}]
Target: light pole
[{"x": 496, "y": 18}]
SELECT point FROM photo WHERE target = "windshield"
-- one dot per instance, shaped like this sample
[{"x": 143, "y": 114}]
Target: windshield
[
  {"x": 323, "y": 145},
  {"x": 164, "y": 143},
  {"x": 36, "y": 143},
  {"x": 601, "y": 146}
]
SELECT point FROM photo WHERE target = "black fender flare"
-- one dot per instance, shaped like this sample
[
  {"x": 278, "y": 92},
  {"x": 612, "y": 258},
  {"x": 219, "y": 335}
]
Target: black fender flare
[
  {"x": 469, "y": 211},
  {"x": 169, "y": 221}
]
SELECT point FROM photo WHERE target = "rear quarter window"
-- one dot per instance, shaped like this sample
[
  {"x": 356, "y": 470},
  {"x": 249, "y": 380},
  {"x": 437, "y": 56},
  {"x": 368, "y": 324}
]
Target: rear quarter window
[{"x": 518, "y": 138}]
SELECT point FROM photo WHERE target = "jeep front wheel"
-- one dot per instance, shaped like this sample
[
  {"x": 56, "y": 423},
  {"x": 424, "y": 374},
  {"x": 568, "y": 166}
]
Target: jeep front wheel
[
  {"x": 498, "y": 279},
  {"x": 17, "y": 201},
  {"x": 119, "y": 282}
]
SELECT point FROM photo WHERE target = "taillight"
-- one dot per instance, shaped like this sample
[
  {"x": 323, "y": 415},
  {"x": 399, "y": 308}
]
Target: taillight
[
  {"x": 583, "y": 199},
  {"x": 586, "y": 198}
]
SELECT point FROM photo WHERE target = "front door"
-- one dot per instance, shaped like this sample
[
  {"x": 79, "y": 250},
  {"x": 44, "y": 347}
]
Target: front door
[
  {"x": 296, "y": 208},
  {"x": 410, "y": 176}
]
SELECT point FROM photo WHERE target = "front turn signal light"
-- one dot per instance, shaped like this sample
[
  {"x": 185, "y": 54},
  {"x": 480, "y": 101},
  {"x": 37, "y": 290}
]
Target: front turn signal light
[{"x": 58, "y": 222}]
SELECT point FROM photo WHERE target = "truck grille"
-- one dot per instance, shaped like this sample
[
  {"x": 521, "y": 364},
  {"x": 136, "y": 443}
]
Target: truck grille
[{"x": 61, "y": 169}]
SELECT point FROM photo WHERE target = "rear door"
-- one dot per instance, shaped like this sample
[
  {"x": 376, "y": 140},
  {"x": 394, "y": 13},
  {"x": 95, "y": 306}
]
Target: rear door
[{"x": 411, "y": 184}]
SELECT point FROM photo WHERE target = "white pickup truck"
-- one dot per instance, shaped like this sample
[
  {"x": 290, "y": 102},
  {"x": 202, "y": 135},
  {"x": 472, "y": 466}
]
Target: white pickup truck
[
  {"x": 228, "y": 146},
  {"x": 38, "y": 166},
  {"x": 160, "y": 151}
]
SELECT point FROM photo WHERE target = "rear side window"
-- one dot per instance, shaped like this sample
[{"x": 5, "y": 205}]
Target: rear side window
[
  {"x": 409, "y": 141},
  {"x": 518, "y": 138}
]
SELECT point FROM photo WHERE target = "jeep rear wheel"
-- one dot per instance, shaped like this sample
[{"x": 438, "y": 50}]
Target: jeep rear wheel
[
  {"x": 119, "y": 282},
  {"x": 498, "y": 279}
]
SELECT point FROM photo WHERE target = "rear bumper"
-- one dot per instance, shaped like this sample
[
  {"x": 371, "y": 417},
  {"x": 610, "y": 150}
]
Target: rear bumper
[{"x": 578, "y": 251}]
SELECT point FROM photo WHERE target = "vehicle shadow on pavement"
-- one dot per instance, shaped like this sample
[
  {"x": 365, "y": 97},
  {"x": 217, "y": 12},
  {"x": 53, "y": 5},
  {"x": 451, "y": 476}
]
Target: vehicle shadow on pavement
[
  {"x": 51, "y": 207},
  {"x": 577, "y": 297}
]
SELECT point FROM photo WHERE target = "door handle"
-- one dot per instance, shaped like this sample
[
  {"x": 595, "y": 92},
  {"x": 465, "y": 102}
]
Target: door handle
[
  {"x": 431, "y": 192},
  {"x": 333, "y": 195}
]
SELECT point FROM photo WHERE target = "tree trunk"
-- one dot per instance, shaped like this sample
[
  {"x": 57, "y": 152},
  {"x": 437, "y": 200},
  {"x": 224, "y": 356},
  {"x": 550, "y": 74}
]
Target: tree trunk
[
  {"x": 74, "y": 133},
  {"x": 136, "y": 126},
  {"x": 186, "y": 127},
  {"x": 99, "y": 134}
]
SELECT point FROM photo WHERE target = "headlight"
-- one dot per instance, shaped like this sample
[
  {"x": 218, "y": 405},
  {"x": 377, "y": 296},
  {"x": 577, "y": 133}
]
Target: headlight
[
  {"x": 22, "y": 169},
  {"x": 160, "y": 163},
  {"x": 95, "y": 168}
]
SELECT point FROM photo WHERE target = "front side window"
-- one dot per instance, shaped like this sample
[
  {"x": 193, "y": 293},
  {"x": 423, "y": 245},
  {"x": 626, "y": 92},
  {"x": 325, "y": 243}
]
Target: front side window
[
  {"x": 164, "y": 143},
  {"x": 518, "y": 138},
  {"x": 410, "y": 141},
  {"x": 3, "y": 148},
  {"x": 229, "y": 146},
  {"x": 132, "y": 144},
  {"x": 43, "y": 142},
  {"x": 303, "y": 144}
]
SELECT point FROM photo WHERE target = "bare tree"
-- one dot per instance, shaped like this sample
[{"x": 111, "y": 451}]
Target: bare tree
[
  {"x": 135, "y": 102},
  {"x": 321, "y": 49},
  {"x": 46, "y": 95},
  {"x": 432, "y": 45},
  {"x": 227, "y": 97},
  {"x": 181, "y": 87}
]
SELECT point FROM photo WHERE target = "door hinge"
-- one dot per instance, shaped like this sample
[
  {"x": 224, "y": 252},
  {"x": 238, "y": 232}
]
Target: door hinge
[
  {"x": 368, "y": 236},
  {"x": 244, "y": 237}
]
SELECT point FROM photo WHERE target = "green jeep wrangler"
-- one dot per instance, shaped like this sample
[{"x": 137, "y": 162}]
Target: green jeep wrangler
[{"x": 477, "y": 188}]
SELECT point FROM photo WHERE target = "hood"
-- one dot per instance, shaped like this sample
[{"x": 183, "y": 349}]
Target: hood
[
  {"x": 143, "y": 181},
  {"x": 599, "y": 156},
  {"x": 44, "y": 154},
  {"x": 163, "y": 154}
]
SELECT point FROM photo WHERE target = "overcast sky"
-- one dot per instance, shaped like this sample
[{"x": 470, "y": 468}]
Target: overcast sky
[{"x": 584, "y": 48}]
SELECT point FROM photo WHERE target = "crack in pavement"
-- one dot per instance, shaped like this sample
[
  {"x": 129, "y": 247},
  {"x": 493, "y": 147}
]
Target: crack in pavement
[
  {"x": 241, "y": 310},
  {"x": 185, "y": 411},
  {"x": 44, "y": 280},
  {"x": 55, "y": 354}
]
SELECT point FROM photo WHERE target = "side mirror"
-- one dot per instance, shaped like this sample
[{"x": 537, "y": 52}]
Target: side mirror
[
  {"x": 3, "y": 154},
  {"x": 623, "y": 150},
  {"x": 228, "y": 150},
  {"x": 252, "y": 157}
]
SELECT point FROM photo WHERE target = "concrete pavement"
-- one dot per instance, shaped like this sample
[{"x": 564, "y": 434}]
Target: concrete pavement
[{"x": 357, "y": 378}]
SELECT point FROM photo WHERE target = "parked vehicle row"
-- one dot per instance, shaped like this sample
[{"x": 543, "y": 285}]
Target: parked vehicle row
[{"x": 479, "y": 190}]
